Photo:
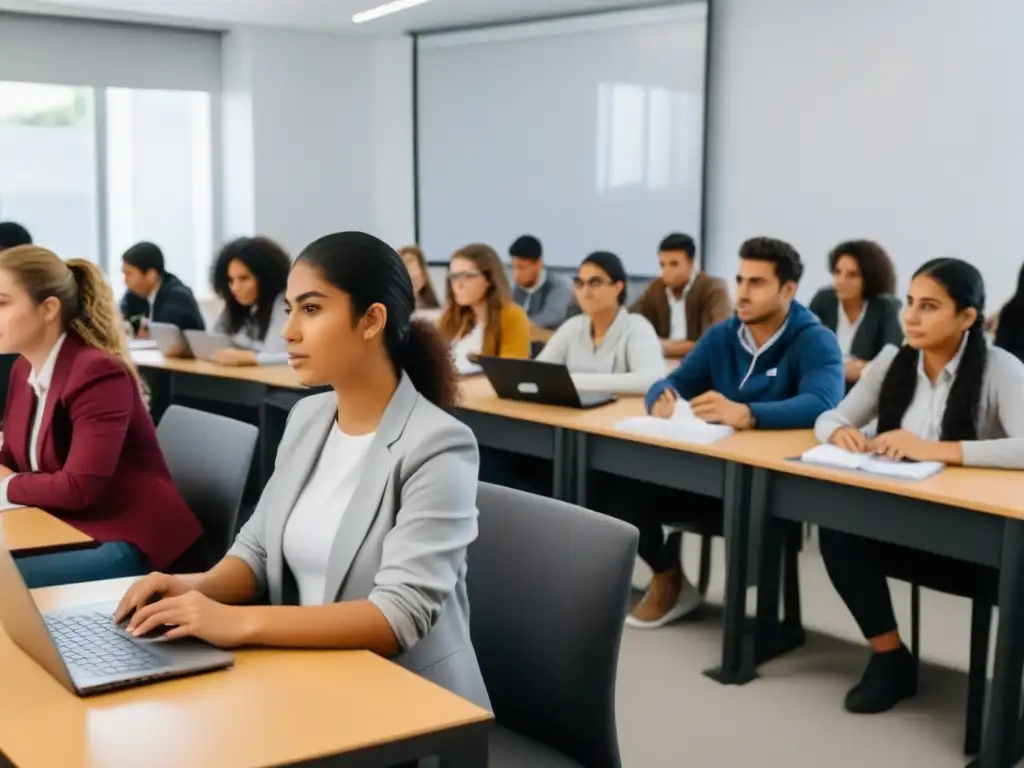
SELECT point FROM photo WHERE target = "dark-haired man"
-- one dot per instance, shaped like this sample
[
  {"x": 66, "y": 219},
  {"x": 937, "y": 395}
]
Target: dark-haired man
[
  {"x": 684, "y": 303},
  {"x": 772, "y": 366},
  {"x": 545, "y": 297},
  {"x": 12, "y": 235},
  {"x": 155, "y": 295}
]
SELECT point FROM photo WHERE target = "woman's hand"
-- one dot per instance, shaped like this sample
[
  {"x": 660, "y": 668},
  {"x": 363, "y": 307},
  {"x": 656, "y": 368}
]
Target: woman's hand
[
  {"x": 193, "y": 614},
  {"x": 154, "y": 586},
  {"x": 900, "y": 444},
  {"x": 665, "y": 405},
  {"x": 6, "y": 472},
  {"x": 234, "y": 357},
  {"x": 849, "y": 439}
]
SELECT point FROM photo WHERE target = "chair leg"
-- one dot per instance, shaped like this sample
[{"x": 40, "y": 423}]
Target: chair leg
[
  {"x": 981, "y": 627},
  {"x": 705, "y": 564}
]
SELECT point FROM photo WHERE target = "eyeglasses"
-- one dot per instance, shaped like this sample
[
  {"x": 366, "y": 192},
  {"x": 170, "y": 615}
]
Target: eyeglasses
[
  {"x": 461, "y": 277},
  {"x": 594, "y": 282}
]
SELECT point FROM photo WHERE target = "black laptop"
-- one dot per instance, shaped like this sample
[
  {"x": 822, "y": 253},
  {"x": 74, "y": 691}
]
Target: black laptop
[{"x": 534, "y": 382}]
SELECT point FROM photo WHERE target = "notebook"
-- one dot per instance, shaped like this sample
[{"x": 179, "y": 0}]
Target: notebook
[
  {"x": 832, "y": 456},
  {"x": 682, "y": 427}
]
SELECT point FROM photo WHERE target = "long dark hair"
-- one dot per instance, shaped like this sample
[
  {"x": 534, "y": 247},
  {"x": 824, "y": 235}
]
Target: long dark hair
[
  {"x": 1010, "y": 331},
  {"x": 965, "y": 287},
  {"x": 371, "y": 272},
  {"x": 269, "y": 264},
  {"x": 876, "y": 269}
]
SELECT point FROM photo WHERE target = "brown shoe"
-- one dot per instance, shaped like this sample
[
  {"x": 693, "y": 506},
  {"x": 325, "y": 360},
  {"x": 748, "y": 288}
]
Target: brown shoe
[{"x": 670, "y": 597}]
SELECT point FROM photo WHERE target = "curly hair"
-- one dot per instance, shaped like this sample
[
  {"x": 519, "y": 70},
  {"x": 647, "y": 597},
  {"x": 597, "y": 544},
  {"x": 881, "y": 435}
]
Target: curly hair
[
  {"x": 876, "y": 269},
  {"x": 269, "y": 264}
]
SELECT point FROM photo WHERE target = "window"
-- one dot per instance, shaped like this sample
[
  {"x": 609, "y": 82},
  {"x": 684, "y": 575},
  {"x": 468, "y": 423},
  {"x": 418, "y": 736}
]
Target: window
[{"x": 48, "y": 160}]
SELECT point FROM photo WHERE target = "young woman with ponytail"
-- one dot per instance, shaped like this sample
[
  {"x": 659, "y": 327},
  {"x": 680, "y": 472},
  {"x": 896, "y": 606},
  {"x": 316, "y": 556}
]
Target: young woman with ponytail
[
  {"x": 944, "y": 396},
  {"x": 359, "y": 539},
  {"x": 78, "y": 440}
]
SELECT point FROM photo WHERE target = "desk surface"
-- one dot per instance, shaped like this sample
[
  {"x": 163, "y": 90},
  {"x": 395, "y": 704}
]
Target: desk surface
[
  {"x": 274, "y": 707},
  {"x": 271, "y": 375},
  {"x": 28, "y": 529}
]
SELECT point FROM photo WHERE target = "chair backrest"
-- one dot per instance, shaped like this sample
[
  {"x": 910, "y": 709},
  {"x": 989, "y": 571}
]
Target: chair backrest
[
  {"x": 209, "y": 457},
  {"x": 549, "y": 587}
]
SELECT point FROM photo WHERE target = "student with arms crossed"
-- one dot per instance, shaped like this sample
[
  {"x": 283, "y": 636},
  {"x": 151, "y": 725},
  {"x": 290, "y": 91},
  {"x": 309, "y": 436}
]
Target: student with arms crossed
[
  {"x": 772, "y": 366},
  {"x": 359, "y": 539},
  {"x": 606, "y": 349},
  {"x": 78, "y": 441},
  {"x": 945, "y": 396},
  {"x": 684, "y": 303},
  {"x": 154, "y": 294}
]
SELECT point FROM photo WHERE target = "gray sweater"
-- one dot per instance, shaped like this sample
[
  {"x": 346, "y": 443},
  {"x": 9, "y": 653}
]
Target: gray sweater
[
  {"x": 1000, "y": 442},
  {"x": 629, "y": 359},
  {"x": 271, "y": 349}
]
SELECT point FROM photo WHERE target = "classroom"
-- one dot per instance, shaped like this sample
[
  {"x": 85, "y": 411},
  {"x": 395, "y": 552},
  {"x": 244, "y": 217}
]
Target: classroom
[{"x": 511, "y": 383}]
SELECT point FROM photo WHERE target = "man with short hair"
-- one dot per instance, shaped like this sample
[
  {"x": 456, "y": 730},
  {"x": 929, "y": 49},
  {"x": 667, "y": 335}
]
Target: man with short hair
[
  {"x": 684, "y": 303},
  {"x": 155, "y": 295},
  {"x": 12, "y": 235},
  {"x": 772, "y": 366},
  {"x": 545, "y": 296}
]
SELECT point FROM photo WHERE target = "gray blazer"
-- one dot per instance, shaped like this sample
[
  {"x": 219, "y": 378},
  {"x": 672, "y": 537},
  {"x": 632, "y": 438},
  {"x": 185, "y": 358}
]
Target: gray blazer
[
  {"x": 403, "y": 538},
  {"x": 880, "y": 326}
]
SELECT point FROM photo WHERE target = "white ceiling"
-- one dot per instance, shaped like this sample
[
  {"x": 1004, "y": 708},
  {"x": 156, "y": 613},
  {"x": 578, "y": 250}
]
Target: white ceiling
[{"x": 319, "y": 15}]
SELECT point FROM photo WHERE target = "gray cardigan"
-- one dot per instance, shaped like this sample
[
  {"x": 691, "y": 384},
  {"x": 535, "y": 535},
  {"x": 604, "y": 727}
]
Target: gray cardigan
[
  {"x": 629, "y": 359},
  {"x": 272, "y": 348},
  {"x": 403, "y": 538},
  {"x": 1000, "y": 440}
]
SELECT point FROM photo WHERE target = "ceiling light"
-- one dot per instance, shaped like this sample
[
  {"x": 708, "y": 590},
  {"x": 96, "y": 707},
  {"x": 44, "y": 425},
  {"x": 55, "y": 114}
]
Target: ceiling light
[{"x": 384, "y": 10}]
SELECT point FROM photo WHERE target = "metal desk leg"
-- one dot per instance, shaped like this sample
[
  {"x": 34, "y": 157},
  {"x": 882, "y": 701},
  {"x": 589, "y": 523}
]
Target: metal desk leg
[
  {"x": 998, "y": 750},
  {"x": 581, "y": 470},
  {"x": 737, "y": 666}
]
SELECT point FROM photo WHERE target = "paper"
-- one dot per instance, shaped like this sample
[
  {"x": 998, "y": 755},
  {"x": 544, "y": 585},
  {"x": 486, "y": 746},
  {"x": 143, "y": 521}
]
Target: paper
[
  {"x": 147, "y": 357},
  {"x": 139, "y": 344},
  {"x": 682, "y": 427},
  {"x": 466, "y": 368},
  {"x": 833, "y": 456}
]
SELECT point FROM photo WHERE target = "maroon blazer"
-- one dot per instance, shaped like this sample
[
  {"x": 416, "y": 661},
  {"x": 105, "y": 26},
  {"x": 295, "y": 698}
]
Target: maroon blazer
[{"x": 101, "y": 468}]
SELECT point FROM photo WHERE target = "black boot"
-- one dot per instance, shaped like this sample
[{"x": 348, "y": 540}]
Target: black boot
[{"x": 889, "y": 678}]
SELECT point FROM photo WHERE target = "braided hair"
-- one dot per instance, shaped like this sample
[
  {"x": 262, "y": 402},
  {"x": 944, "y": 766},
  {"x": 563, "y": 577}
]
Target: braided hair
[{"x": 964, "y": 284}]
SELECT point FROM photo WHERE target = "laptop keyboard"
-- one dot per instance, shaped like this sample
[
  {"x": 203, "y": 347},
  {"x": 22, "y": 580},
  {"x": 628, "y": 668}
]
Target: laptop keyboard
[{"x": 91, "y": 644}]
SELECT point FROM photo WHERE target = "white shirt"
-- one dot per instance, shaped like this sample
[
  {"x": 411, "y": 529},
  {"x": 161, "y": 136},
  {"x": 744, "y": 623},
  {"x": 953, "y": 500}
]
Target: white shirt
[
  {"x": 40, "y": 383},
  {"x": 750, "y": 344},
  {"x": 470, "y": 344},
  {"x": 924, "y": 415},
  {"x": 311, "y": 529},
  {"x": 677, "y": 310},
  {"x": 845, "y": 330}
]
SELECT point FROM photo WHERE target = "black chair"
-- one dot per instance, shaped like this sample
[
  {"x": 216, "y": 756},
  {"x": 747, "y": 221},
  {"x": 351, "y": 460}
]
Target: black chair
[
  {"x": 549, "y": 586},
  {"x": 209, "y": 457}
]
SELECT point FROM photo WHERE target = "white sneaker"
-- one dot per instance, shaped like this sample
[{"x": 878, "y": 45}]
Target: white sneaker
[{"x": 689, "y": 600}]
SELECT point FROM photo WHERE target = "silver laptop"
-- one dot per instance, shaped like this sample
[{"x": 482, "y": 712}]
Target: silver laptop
[
  {"x": 203, "y": 344},
  {"x": 170, "y": 340},
  {"x": 85, "y": 651}
]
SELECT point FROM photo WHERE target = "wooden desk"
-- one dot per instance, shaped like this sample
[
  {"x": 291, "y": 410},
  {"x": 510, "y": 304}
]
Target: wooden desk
[
  {"x": 274, "y": 708},
  {"x": 31, "y": 531},
  {"x": 280, "y": 376}
]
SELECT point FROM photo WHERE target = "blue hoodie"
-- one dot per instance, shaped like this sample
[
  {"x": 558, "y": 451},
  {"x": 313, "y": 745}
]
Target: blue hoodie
[{"x": 788, "y": 384}]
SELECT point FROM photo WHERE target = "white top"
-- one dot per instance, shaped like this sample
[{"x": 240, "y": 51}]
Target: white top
[
  {"x": 845, "y": 330},
  {"x": 677, "y": 310},
  {"x": 313, "y": 524},
  {"x": 629, "y": 359},
  {"x": 40, "y": 383},
  {"x": 470, "y": 344}
]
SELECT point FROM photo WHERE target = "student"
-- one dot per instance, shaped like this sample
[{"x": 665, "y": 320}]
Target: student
[
  {"x": 250, "y": 275},
  {"x": 772, "y": 366},
  {"x": 416, "y": 263},
  {"x": 12, "y": 235},
  {"x": 155, "y": 295},
  {"x": 606, "y": 349},
  {"x": 1010, "y": 328},
  {"x": 946, "y": 396},
  {"x": 861, "y": 306},
  {"x": 78, "y": 441},
  {"x": 360, "y": 537},
  {"x": 684, "y": 302},
  {"x": 544, "y": 296},
  {"x": 480, "y": 317}
]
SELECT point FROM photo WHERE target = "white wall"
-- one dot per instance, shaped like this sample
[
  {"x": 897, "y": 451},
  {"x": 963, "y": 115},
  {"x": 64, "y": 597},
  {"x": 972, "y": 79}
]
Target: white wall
[
  {"x": 317, "y": 135},
  {"x": 898, "y": 120}
]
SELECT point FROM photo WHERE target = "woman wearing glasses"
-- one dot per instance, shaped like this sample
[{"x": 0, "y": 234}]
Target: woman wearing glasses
[
  {"x": 606, "y": 348},
  {"x": 480, "y": 317}
]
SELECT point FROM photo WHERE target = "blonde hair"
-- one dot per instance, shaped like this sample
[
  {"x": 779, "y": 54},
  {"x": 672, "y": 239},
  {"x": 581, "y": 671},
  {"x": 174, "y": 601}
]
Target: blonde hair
[
  {"x": 86, "y": 300},
  {"x": 457, "y": 321}
]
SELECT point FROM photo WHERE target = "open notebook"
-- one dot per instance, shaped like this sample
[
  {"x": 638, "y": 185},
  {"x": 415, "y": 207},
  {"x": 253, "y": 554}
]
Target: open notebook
[
  {"x": 832, "y": 456},
  {"x": 683, "y": 426}
]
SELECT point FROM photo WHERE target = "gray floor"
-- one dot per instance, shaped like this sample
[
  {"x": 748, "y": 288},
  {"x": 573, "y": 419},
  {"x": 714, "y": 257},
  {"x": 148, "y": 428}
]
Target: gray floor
[{"x": 670, "y": 715}]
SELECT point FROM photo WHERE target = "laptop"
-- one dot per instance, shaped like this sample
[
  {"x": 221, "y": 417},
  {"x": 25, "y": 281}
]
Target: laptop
[
  {"x": 204, "y": 344},
  {"x": 170, "y": 340},
  {"x": 536, "y": 382},
  {"x": 85, "y": 651}
]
